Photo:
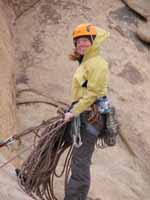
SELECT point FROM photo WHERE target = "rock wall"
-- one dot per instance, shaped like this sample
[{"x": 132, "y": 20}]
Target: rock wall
[
  {"x": 8, "y": 122},
  {"x": 9, "y": 185},
  {"x": 7, "y": 77},
  {"x": 9, "y": 188},
  {"x": 42, "y": 41}
]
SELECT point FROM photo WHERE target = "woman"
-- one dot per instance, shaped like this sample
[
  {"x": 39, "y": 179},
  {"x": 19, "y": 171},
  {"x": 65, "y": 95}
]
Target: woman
[{"x": 89, "y": 83}]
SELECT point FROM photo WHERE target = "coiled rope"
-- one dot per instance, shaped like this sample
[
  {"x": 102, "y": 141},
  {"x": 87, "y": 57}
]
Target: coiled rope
[{"x": 38, "y": 172}]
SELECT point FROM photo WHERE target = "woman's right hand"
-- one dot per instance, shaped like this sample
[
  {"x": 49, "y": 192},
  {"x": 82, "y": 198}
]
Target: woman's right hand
[{"x": 68, "y": 116}]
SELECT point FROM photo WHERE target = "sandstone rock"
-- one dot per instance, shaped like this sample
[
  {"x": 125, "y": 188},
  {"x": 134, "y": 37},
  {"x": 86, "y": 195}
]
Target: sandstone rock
[
  {"x": 42, "y": 42},
  {"x": 8, "y": 121},
  {"x": 7, "y": 77},
  {"x": 8, "y": 182},
  {"x": 142, "y": 7},
  {"x": 143, "y": 31}
]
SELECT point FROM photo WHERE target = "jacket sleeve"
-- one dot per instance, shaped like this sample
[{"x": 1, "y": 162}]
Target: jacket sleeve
[{"x": 96, "y": 87}]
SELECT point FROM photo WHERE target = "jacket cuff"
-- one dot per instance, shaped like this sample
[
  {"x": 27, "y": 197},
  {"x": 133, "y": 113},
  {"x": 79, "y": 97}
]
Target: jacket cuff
[{"x": 76, "y": 114}]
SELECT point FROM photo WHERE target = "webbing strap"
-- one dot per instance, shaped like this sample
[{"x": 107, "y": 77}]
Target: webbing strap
[{"x": 75, "y": 131}]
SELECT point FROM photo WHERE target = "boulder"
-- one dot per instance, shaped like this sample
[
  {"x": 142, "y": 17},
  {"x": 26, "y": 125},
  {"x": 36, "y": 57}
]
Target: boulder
[
  {"x": 143, "y": 31},
  {"x": 142, "y": 7}
]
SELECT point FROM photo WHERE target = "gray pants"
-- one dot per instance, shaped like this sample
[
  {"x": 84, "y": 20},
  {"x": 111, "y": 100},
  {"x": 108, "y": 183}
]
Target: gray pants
[{"x": 79, "y": 183}]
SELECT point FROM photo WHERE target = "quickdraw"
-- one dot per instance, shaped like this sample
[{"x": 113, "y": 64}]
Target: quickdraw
[
  {"x": 76, "y": 133},
  {"x": 7, "y": 142}
]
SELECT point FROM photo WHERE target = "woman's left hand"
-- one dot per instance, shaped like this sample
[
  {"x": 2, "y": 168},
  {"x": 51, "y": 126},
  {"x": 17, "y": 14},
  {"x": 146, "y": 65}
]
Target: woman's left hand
[{"x": 68, "y": 116}]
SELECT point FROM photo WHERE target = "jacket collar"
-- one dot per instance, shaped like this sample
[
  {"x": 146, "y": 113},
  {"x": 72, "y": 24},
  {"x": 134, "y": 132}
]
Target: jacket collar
[{"x": 94, "y": 50}]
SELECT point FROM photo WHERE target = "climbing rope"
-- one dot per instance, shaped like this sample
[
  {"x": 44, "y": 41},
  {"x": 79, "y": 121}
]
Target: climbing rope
[{"x": 39, "y": 171}]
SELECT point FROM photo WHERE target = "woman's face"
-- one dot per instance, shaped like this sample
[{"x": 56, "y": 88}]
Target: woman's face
[{"x": 82, "y": 44}]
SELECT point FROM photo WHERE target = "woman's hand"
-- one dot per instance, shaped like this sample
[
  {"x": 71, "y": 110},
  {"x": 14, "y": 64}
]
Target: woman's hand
[{"x": 68, "y": 116}]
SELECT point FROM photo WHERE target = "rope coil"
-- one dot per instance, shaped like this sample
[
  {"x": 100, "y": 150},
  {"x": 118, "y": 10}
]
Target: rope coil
[{"x": 38, "y": 172}]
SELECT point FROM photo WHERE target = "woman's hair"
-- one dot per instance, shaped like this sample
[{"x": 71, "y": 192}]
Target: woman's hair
[{"x": 74, "y": 56}]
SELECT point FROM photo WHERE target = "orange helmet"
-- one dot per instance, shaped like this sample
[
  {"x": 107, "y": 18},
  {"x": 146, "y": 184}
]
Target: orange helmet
[{"x": 84, "y": 30}]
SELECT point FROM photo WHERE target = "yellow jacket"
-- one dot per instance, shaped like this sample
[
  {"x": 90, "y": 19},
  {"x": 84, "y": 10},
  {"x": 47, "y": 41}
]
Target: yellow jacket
[{"x": 94, "y": 69}]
